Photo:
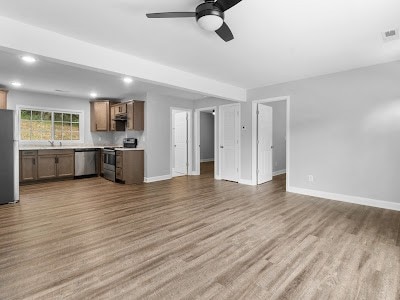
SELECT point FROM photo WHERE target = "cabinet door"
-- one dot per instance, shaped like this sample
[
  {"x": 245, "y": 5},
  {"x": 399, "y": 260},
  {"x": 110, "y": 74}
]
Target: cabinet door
[
  {"x": 65, "y": 165},
  {"x": 113, "y": 113},
  {"x": 121, "y": 108},
  {"x": 101, "y": 115},
  {"x": 138, "y": 115},
  {"x": 3, "y": 99},
  {"x": 47, "y": 167},
  {"x": 129, "y": 111},
  {"x": 28, "y": 168}
]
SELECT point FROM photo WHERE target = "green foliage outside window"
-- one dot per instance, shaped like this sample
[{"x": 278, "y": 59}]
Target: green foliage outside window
[{"x": 37, "y": 125}]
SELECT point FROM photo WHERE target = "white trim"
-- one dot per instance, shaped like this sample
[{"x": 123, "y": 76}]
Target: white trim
[
  {"x": 157, "y": 178},
  {"x": 346, "y": 198},
  {"x": 190, "y": 139},
  {"x": 254, "y": 137},
  {"x": 240, "y": 138},
  {"x": 246, "y": 182},
  {"x": 280, "y": 172},
  {"x": 206, "y": 160},
  {"x": 197, "y": 139}
]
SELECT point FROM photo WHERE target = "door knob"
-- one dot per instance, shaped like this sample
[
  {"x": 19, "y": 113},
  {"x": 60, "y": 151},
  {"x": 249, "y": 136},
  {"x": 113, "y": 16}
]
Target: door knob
[{"x": 222, "y": 147}]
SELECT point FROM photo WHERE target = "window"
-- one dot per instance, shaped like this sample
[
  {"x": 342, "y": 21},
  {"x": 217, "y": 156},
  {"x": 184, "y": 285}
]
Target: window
[{"x": 45, "y": 125}]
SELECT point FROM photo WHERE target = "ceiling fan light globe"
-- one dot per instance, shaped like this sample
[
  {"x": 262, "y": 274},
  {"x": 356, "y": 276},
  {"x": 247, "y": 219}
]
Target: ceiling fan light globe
[{"x": 210, "y": 22}]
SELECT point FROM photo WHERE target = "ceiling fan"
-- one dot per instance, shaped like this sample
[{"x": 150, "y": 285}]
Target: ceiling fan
[{"x": 209, "y": 15}]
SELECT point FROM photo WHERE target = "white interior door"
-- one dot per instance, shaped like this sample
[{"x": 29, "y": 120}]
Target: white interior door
[
  {"x": 181, "y": 143},
  {"x": 229, "y": 143},
  {"x": 264, "y": 144}
]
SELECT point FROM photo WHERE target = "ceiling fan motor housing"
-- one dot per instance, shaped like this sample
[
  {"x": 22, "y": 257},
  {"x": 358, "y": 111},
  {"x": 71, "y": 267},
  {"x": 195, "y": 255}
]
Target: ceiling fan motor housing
[{"x": 207, "y": 9}]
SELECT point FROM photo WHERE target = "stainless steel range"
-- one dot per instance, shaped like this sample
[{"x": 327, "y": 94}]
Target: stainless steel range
[{"x": 109, "y": 163}]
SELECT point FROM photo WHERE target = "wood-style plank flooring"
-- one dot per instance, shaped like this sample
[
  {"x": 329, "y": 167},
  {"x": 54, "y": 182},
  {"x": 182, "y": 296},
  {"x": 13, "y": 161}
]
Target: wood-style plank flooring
[{"x": 194, "y": 238}]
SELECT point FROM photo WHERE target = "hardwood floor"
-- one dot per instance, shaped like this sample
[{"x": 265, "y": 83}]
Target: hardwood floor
[{"x": 194, "y": 238}]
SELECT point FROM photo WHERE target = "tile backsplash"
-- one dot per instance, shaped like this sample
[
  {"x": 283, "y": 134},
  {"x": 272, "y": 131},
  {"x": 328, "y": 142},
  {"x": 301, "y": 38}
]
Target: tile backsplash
[{"x": 119, "y": 137}]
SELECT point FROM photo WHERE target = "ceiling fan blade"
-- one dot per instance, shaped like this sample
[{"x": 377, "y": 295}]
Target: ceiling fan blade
[
  {"x": 225, "y": 33},
  {"x": 172, "y": 15},
  {"x": 224, "y": 5}
]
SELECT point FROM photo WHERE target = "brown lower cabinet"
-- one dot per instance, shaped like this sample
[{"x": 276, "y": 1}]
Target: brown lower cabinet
[
  {"x": 101, "y": 162},
  {"x": 46, "y": 164},
  {"x": 28, "y": 166},
  {"x": 130, "y": 166}
]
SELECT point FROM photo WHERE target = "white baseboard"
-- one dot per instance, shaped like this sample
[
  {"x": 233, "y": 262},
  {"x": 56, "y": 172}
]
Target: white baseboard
[
  {"x": 157, "y": 178},
  {"x": 206, "y": 160},
  {"x": 276, "y": 173},
  {"x": 346, "y": 198},
  {"x": 246, "y": 181}
]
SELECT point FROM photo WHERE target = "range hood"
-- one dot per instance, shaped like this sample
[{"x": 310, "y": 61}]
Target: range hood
[{"x": 121, "y": 117}]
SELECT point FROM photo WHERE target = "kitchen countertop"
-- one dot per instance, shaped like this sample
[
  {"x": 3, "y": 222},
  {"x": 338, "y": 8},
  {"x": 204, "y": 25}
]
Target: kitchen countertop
[
  {"x": 129, "y": 149},
  {"x": 68, "y": 147}
]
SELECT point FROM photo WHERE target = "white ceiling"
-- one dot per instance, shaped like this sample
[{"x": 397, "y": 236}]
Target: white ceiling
[
  {"x": 275, "y": 41},
  {"x": 47, "y": 76}
]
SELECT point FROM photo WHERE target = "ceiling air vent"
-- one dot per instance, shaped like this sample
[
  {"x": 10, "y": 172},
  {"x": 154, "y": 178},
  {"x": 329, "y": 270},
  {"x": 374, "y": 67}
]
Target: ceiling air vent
[{"x": 390, "y": 35}]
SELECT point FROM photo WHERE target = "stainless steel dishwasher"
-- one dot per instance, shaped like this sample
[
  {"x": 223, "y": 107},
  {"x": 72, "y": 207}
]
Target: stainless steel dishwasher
[{"x": 86, "y": 162}]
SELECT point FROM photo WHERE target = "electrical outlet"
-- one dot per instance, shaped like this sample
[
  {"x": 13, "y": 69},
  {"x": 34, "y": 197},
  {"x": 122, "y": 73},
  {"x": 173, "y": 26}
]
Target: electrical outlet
[{"x": 310, "y": 178}]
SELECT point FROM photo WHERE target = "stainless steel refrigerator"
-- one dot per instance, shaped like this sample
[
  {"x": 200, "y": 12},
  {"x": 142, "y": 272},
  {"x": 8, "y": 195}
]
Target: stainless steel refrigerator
[{"x": 7, "y": 154}]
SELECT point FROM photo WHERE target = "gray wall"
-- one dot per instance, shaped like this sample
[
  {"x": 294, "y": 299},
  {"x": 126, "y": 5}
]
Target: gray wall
[
  {"x": 344, "y": 131},
  {"x": 206, "y": 136},
  {"x": 158, "y": 134},
  {"x": 60, "y": 102},
  {"x": 279, "y": 135}
]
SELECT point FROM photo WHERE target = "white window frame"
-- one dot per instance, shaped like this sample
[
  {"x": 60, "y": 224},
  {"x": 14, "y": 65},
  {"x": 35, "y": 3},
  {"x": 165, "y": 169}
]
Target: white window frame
[{"x": 52, "y": 110}]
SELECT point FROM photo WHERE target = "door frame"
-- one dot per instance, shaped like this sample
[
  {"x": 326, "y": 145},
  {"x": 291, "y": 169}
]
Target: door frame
[
  {"x": 255, "y": 132},
  {"x": 239, "y": 162},
  {"x": 190, "y": 139},
  {"x": 197, "y": 139}
]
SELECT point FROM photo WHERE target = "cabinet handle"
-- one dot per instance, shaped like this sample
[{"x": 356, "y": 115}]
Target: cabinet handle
[
  {"x": 33, "y": 161},
  {"x": 56, "y": 160}
]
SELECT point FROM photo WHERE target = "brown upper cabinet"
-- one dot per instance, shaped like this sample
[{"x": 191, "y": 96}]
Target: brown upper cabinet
[
  {"x": 100, "y": 115},
  {"x": 104, "y": 112},
  {"x": 3, "y": 99},
  {"x": 135, "y": 112},
  {"x": 113, "y": 123},
  {"x": 120, "y": 108}
]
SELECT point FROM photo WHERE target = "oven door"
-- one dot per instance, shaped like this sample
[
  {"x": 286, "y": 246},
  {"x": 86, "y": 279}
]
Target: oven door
[{"x": 109, "y": 160}]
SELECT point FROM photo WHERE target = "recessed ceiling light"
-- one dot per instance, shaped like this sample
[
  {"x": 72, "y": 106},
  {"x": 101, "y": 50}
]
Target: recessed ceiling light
[
  {"x": 127, "y": 80},
  {"x": 93, "y": 94},
  {"x": 28, "y": 59},
  {"x": 16, "y": 83}
]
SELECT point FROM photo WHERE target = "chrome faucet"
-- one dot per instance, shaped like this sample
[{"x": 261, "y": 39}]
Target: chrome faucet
[
  {"x": 60, "y": 144},
  {"x": 51, "y": 143}
]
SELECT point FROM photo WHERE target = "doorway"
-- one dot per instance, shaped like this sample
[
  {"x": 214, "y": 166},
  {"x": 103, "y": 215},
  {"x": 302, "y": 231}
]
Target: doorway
[
  {"x": 180, "y": 142},
  {"x": 206, "y": 141},
  {"x": 270, "y": 139},
  {"x": 229, "y": 140}
]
